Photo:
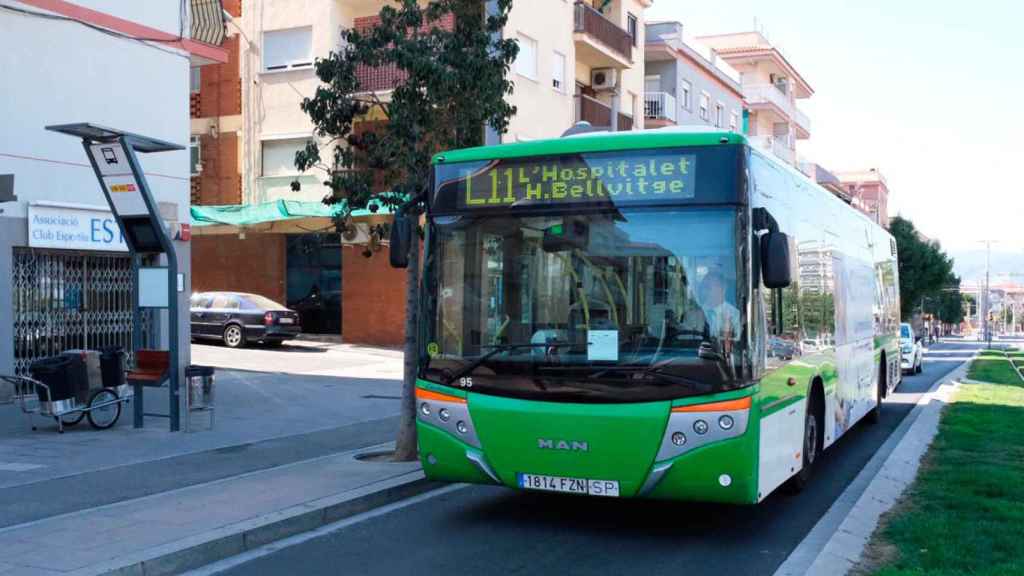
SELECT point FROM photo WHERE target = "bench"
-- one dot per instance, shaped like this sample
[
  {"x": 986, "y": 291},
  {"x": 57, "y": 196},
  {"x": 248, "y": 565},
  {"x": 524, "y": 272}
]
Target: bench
[{"x": 151, "y": 368}]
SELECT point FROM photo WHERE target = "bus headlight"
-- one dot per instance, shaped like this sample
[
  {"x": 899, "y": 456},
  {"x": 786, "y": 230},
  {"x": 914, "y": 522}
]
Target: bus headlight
[
  {"x": 447, "y": 412},
  {"x": 710, "y": 422}
]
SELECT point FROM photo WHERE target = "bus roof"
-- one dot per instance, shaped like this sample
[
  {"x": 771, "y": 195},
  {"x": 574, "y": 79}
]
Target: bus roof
[{"x": 669, "y": 137}]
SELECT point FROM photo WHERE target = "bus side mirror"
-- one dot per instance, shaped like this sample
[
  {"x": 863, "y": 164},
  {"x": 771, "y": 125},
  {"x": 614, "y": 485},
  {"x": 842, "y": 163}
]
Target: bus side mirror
[
  {"x": 775, "y": 260},
  {"x": 401, "y": 238}
]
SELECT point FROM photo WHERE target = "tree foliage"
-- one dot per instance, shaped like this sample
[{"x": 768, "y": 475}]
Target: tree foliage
[
  {"x": 454, "y": 82},
  {"x": 927, "y": 281},
  {"x": 452, "y": 66}
]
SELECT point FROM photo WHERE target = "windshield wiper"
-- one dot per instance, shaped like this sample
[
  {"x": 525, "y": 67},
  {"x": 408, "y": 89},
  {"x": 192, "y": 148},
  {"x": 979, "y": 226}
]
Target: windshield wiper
[
  {"x": 498, "y": 348},
  {"x": 656, "y": 371}
]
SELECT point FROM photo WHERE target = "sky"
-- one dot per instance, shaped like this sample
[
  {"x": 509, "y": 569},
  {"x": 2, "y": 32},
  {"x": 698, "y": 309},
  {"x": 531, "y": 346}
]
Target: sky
[{"x": 926, "y": 92}]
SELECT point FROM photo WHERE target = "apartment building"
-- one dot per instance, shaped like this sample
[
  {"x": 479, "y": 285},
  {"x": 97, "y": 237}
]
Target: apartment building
[
  {"x": 686, "y": 83},
  {"x": 579, "y": 60},
  {"x": 771, "y": 87},
  {"x": 67, "y": 273},
  {"x": 869, "y": 192}
]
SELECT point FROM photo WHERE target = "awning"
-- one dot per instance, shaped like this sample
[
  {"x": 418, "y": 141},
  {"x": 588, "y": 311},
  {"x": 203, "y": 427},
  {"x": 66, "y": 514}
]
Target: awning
[{"x": 277, "y": 211}]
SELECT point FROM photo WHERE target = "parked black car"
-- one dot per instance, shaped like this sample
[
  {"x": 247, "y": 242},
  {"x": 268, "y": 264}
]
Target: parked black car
[{"x": 238, "y": 318}]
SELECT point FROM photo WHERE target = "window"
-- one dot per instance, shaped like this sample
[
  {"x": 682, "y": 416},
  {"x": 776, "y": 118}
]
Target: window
[
  {"x": 526, "y": 61},
  {"x": 734, "y": 121},
  {"x": 705, "y": 106},
  {"x": 558, "y": 72},
  {"x": 279, "y": 156},
  {"x": 632, "y": 27},
  {"x": 719, "y": 115},
  {"x": 224, "y": 302},
  {"x": 196, "y": 157},
  {"x": 193, "y": 79},
  {"x": 288, "y": 49},
  {"x": 685, "y": 89}
]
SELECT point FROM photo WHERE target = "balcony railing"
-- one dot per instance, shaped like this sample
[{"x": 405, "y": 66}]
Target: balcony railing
[
  {"x": 769, "y": 94},
  {"x": 660, "y": 106},
  {"x": 590, "y": 21},
  {"x": 778, "y": 145},
  {"x": 599, "y": 114}
]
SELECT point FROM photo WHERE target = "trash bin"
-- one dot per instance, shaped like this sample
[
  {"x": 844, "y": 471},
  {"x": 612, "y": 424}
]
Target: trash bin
[
  {"x": 112, "y": 366},
  {"x": 55, "y": 373},
  {"x": 199, "y": 397},
  {"x": 78, "y": 373}
]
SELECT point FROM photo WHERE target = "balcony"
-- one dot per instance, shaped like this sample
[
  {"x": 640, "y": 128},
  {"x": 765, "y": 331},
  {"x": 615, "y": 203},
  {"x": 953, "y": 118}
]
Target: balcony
[
  {"x": 659, "y": 109},
  {"x": 599, "y": 114},
  {"x": 600, "y": 43},
  {"x": 778, "y": 145},
  {"x": 768, "y": 95}
]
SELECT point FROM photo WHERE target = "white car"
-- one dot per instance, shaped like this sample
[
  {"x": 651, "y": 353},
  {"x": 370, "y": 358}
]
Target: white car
[{"x": 911, "y": 351}]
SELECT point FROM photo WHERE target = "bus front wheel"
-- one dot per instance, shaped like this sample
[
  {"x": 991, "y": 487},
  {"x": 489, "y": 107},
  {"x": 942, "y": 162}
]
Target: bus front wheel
[{"x": 813, "y": 422}]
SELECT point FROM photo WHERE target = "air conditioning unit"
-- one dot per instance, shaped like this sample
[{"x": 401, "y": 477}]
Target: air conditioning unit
[{"x": 604, "y": 78}]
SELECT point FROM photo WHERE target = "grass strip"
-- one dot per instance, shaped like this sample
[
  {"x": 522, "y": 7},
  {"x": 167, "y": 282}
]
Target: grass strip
[{"x": 964, "y": 514}]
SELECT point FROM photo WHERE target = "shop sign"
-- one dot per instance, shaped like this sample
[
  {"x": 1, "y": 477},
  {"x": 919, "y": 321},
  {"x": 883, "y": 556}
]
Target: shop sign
[{"x": 74, "y": 228}]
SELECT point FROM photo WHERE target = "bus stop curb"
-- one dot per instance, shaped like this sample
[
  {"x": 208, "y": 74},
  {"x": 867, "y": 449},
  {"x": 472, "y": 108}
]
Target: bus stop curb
[
  {"x": 234, "y": 539},
  {"x": 835, "y": 543}
]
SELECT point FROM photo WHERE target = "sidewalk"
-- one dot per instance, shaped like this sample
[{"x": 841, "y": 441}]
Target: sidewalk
[
  {"x": 280, "y": 459},
  {"x": 250, "y": 407},
  {"x": 174, "y": 531}
]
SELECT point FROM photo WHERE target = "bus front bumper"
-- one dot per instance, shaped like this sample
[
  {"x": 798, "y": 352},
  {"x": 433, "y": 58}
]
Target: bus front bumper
[{"x": 716, "y": 466}]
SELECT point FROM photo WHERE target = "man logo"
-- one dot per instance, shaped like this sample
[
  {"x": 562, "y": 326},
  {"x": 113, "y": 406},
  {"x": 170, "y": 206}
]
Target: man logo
[{"x": 572, "y": 446}]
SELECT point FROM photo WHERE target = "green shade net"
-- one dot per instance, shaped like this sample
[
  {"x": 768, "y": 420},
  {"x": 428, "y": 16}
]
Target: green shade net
[{"x": 277, "y": 211}]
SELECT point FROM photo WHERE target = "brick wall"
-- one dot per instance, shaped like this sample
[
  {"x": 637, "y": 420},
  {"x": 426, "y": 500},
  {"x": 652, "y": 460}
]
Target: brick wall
[
  {"x": 256, "y": 264},
  {"x": 382, "y": 78},
  {"x": 220, "y": 181},
  {"x": 373, "y": 299},
  {"x": 220, "y": 86}
]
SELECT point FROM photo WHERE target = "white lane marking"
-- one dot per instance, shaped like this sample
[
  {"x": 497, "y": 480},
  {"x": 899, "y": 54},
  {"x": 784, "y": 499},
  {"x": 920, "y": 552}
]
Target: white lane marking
[
  {"x": 268, "y": 549},
  {"x": 18, "y": 466}
]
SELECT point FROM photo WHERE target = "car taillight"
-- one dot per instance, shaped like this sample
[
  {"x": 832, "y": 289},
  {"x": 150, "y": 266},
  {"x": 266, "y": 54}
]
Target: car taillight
[{"x": 268, "y": 318}]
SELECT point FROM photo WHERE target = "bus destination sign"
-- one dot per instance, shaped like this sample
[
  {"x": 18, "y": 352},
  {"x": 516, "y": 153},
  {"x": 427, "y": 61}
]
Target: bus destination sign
[{"x": 576, "y": 179}]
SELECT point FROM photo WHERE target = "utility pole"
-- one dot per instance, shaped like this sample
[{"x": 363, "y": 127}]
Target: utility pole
[{"x": 985, "y": 327}]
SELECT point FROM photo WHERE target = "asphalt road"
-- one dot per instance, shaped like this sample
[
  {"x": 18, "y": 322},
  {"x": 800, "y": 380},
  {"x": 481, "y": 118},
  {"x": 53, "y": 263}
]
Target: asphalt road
[{"x": 490, "y": 530}]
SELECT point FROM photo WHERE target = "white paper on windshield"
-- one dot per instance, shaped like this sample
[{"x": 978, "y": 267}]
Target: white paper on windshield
[{"x": 603, "y": 345}]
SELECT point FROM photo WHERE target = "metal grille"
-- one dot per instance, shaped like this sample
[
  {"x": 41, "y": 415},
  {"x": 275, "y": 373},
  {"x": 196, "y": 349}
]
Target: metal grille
[{"x": 70, "y": 300}]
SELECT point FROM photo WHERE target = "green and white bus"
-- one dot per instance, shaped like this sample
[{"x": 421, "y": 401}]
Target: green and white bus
[{"x": 666, "y": 314}]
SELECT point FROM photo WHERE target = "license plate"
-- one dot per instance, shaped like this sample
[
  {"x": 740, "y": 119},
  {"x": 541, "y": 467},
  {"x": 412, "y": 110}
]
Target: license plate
[
  {"x": 569, "y": 485},
  {"x": 286, "y": 321}
]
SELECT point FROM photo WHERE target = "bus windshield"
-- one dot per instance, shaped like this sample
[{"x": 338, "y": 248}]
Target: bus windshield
[{"x": 616, "y": 305}]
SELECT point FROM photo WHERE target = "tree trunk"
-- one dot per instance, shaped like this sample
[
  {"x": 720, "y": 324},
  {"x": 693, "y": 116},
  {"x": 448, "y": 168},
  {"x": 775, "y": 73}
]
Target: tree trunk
[{"x": 405, "y": 445}]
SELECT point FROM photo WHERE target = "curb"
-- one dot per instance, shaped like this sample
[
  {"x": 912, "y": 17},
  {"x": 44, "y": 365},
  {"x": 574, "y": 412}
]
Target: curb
[
  {"x": 835, "y": 543},
  {"x": 233, "y": 539}
]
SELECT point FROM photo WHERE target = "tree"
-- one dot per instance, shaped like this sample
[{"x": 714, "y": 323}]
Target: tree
[
  {"x": 454, "y": 66},
  {"x": 925, "y": 269}
]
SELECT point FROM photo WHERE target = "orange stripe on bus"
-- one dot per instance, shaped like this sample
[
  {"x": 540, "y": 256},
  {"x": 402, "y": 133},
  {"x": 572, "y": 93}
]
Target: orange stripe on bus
[
  {"x": 739, "y": 404},
  {"x": 424, "y": 394}
]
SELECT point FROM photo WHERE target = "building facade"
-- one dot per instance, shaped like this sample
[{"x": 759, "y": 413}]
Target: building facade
[
  {"x": 66, "y": 267},
  {"x": 771, "y": 88},
  {"x": 687, "y": 84},
  {"x": 246, "y": 146},
  {"x": 869, "y": 193}
]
